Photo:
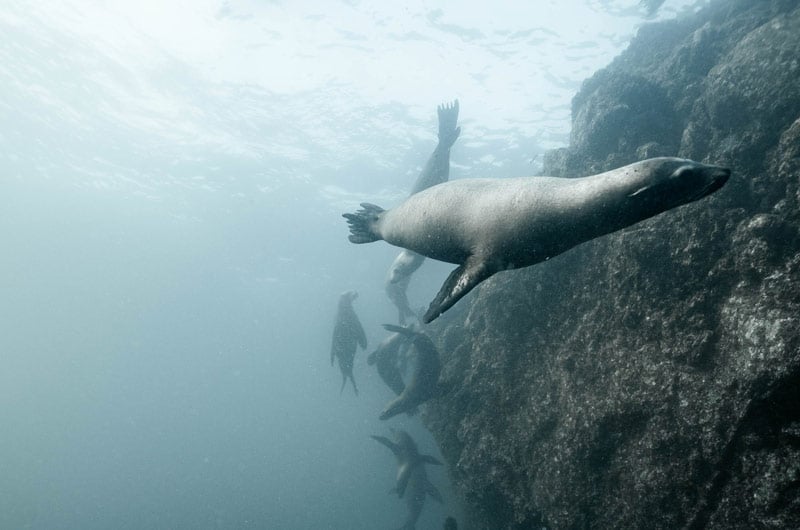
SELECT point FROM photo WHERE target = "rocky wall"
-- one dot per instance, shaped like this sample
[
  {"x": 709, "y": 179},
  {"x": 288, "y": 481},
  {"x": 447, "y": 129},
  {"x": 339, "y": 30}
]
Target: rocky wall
[{"x": 650, "y": 378}]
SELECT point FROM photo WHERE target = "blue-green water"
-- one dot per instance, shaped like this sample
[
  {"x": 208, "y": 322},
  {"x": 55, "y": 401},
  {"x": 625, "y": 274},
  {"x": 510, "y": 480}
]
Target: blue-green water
[{"x": 171, "y": 184}]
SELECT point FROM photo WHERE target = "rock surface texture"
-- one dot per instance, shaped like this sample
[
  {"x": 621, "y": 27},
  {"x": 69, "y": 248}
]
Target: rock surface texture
[{"x": 650, "y": 378}]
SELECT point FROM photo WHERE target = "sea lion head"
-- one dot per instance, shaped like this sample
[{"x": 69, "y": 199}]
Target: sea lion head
[
  {"x": 664, "y": 183},
  {"x": 349, "y": 295},
  {"x": 346, "y": 298}
]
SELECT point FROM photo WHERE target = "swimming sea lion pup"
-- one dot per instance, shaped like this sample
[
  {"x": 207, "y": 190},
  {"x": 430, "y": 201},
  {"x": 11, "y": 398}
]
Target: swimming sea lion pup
[
  {"x": 412, "y": 479},
  {"x": 397, "y": 293},
  {"x": 347, "y": 335},
  {"x": 424, "y": 382},
  {"x": 490, "y": 225}
]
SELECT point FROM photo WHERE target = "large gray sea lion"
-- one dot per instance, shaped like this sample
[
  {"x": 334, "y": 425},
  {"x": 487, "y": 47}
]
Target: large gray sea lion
[
  {"x": 490, "y": 225},
  {"x": 412, "y": 479},
  {"x": 436, "y": 171},
  {"x": 424, "y": 381},
  {"x": 348, "y": 334}
]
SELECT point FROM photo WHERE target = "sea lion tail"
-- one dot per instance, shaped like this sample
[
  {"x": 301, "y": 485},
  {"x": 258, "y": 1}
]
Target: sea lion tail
[
  {"x": 361, "y": 223},
  {"x": 448, "y": 131}
]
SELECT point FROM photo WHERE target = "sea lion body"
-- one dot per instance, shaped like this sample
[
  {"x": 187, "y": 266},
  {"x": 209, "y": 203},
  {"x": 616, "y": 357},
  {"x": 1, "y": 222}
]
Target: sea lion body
[
  {"x": 412, "y": 479},
  {"x": 348, "y": 334},
  {"x": 404, "y": 265},
  {"x": 490, "y": 225},
  {"x": 385, "y": 359},
  {"x": 424, "y": 382},
  {"x": 397, "y": 292}
]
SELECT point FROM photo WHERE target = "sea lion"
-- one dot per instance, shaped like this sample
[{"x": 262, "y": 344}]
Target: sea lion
[
  {"x": 436, "y": 171},
  {"x": 347, "y": 335},
  {"x": 412, "y": 479},
  {"x": 404, "y": 265},
  {"x": 396, "y": 291},
  {"x": 424, "y": 382},
  {"x": 437, "y": 168},
  {"x": 385, "y": 357},
  {"x": 490, "y": 225}
]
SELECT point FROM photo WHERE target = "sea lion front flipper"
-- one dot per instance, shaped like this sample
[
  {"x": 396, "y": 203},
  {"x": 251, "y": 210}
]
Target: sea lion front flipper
[
  {"x": 387, "y": 442},
  {"x": 431, "y": 490},
  {"x": 460, "y": 282},
  {"x": 428, "y": 459},
  {"x": 403, "y": 330}
]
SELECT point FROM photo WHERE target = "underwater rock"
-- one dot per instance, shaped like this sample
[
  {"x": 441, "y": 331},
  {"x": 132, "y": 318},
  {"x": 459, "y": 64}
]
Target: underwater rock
[{"x": 650, "y": 379}]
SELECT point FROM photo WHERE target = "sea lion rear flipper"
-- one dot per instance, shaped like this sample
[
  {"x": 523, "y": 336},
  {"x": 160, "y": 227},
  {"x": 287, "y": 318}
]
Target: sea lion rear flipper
[
  {"x": 428, "y": 459},
  {"x": 460, "y": 282},
  {"x": 448, "y": 117},
  {"x": 404, "y": 312}
]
